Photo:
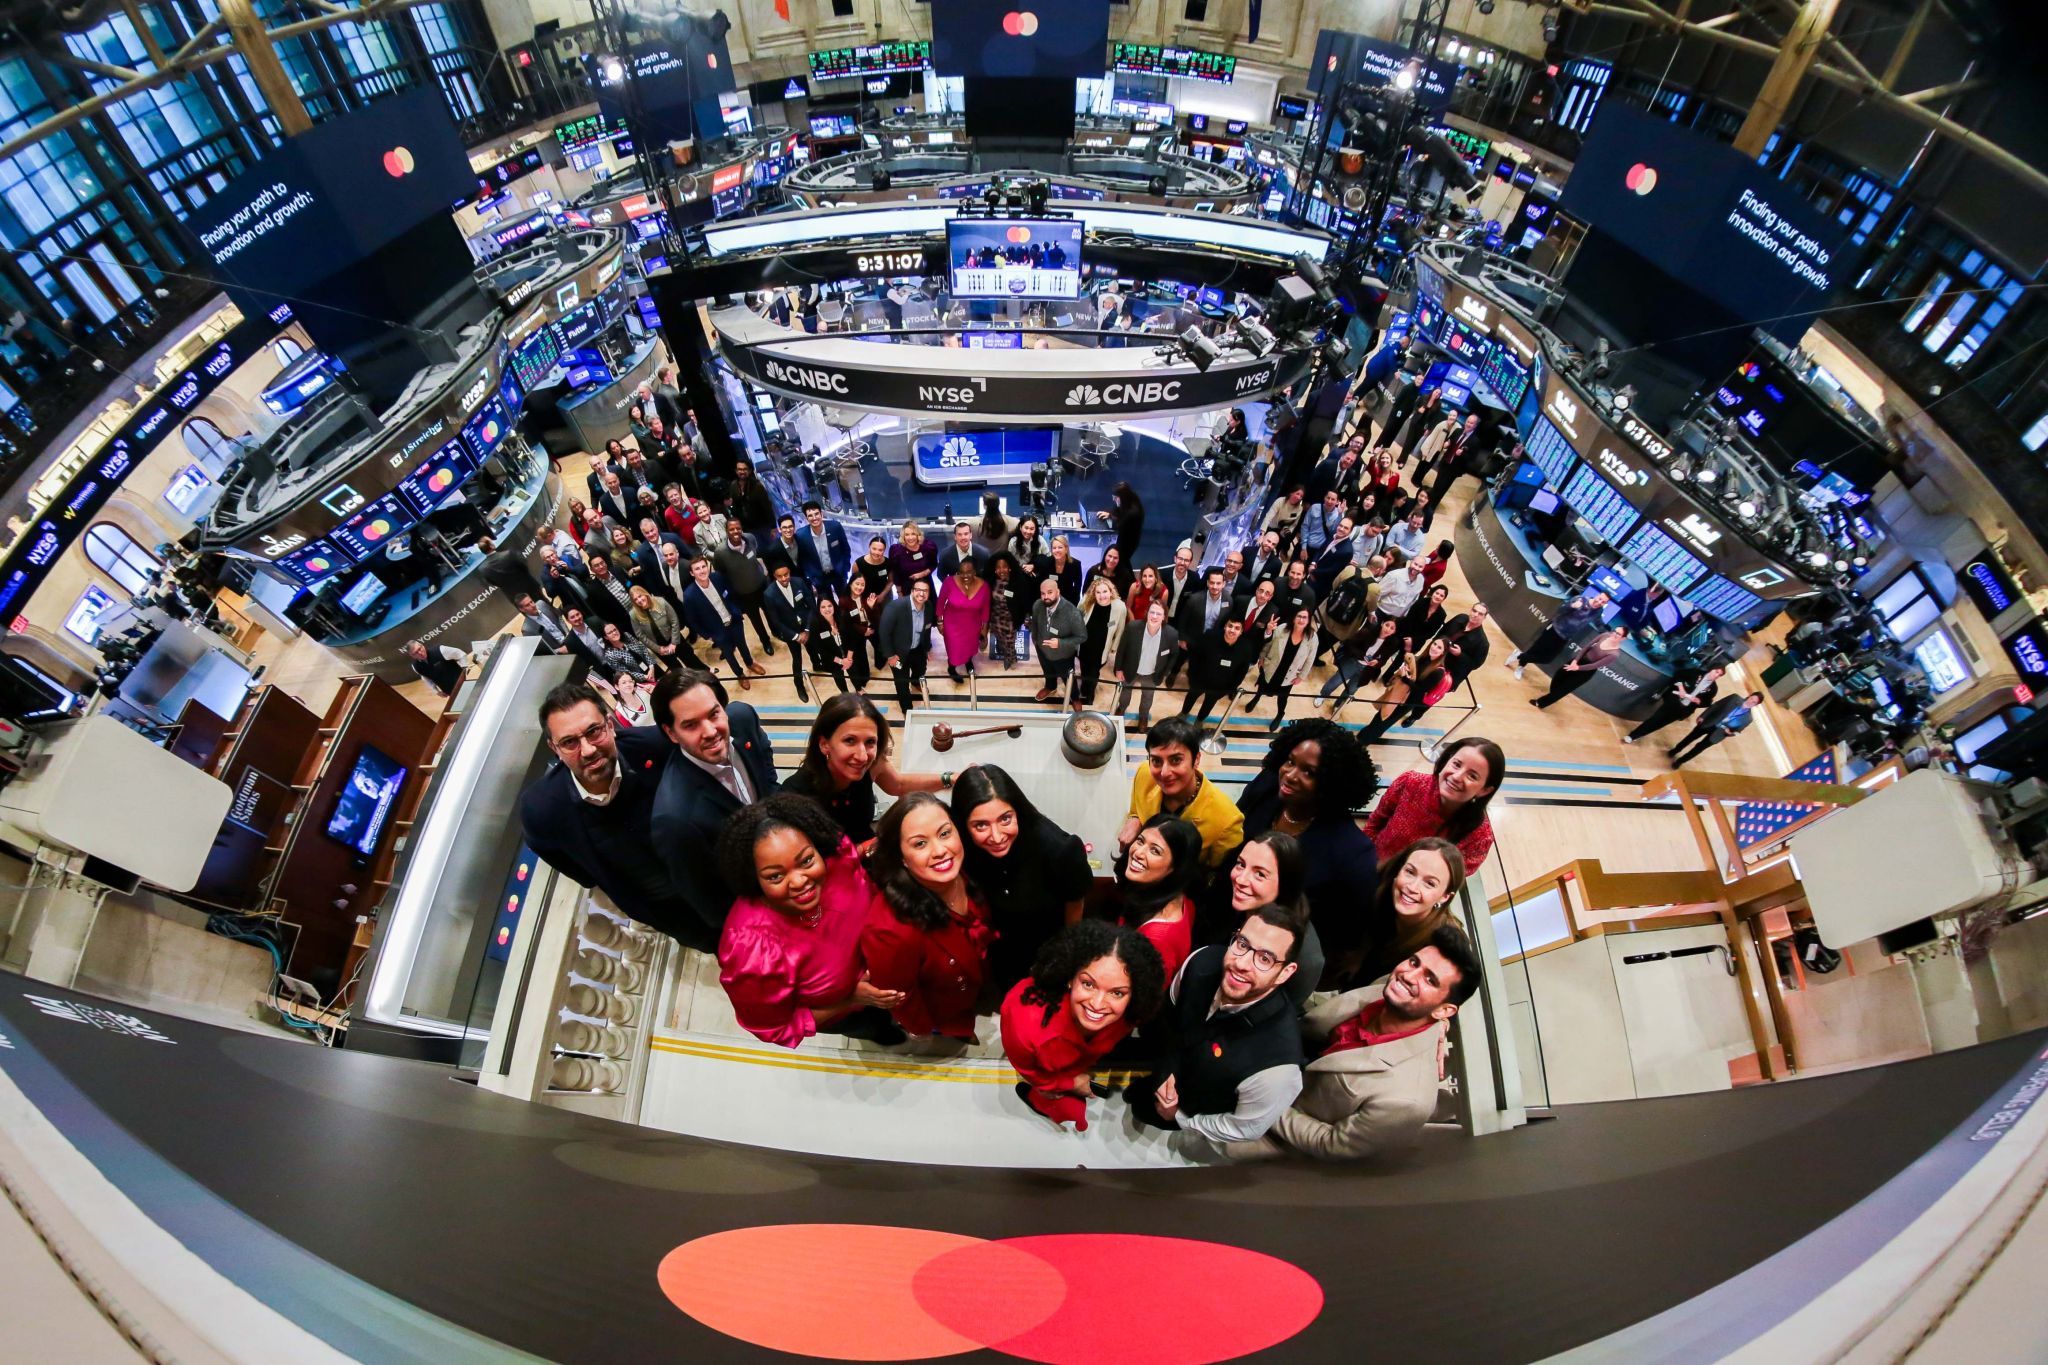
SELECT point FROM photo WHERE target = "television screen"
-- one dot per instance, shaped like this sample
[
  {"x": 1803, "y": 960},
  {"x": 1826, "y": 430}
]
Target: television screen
[
  {"x": 1020, "y": 258},
  {"x": 1667, "y": 615},
  {"x": 832, "y": 125},
  {"x": 1291, "y": 106},
  {"x": 366, "y": 799},
  {"x": 426, "y": 487},
  {"x": 1543, "y": 500},
  {"x": 368, "y": 589},
  {"x": 371, "y": 529},
  {"x": 1063, "y": 38}
]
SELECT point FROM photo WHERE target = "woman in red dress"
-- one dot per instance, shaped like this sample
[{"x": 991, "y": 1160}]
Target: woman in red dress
[
  {"x": 1092, "y": 984},
  {"x": 1150, "y": 890},
  {"x": 789, "y": 958},
  {"x": 927, "y": 932}
]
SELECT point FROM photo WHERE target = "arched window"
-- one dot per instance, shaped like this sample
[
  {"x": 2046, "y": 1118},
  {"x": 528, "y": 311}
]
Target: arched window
[
  {"x": 207, "y": 442},
  {"x": 286, "y": 349},
  {"x": 114, "y": 553}
]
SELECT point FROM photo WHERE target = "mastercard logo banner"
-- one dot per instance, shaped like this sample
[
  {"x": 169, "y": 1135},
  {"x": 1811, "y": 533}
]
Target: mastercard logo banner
[
  {"x": 319, "y": 564},
  {"x": 376, "y": 530},
  {"x": 1020, "y": 23},
  {"x": 442, "y": 481},
  {"x": 398, "y": 163}
]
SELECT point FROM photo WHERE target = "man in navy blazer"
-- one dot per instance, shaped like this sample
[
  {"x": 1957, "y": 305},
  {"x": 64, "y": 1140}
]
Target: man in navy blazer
[
  {"x": 590, "y": 814},
  {"x": 720, "y": 760},
  {"x": 713, "y": 613},
  {"x": 835, "y": 562}
]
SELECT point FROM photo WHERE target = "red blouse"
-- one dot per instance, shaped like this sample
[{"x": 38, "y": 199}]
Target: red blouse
[
  {"x": 938, "y": 970},
  {"x": 1050, "y": 1053},
  {"x": 1174, "y": 939},
  {"x": 1411, "y": 810}
]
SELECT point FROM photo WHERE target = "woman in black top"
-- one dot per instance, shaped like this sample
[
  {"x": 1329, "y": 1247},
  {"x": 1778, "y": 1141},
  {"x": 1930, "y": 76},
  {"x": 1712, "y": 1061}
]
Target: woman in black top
[
  {"x": 1423, "y": 623},
  {"x": 846, "y": 758},
  {"x": 1009, "y": 608},
  {"x": 1119, "y": 574},
  {"x": 1065, "y": 568},
  {"x": 870, "y": 583},
  {"x": 1127, "y": 515},
  {"x": 1029, "y": 549},
  {"x": 1314, "y": 776},
  {"x": 836, "y": 645},
  {"x": 1034, "y": 874}
]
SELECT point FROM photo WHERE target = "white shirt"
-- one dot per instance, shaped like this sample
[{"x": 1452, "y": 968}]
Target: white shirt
[
  {"x": 605, "y": 797},
  {"x": 728, "y": 775},
  {"x": 717, "y": 601},
  {"x": 1148, "y": 652}
]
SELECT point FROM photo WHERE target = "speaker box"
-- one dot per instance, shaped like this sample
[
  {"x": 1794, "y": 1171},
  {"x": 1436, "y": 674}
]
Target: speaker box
[{"x": 1293, "y": 299}]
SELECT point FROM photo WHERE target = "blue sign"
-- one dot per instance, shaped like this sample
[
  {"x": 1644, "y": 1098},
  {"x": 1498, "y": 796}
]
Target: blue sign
[{"x": 976, "y": 457}]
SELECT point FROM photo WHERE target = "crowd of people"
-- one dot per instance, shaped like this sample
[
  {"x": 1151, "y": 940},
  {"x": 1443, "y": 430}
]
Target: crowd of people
[{"x": 1227, "y": 964}]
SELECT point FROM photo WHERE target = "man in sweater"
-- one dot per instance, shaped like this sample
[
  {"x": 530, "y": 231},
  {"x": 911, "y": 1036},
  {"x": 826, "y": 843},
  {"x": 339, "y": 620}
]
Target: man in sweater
[
  {"x": 1373, "y": 1083},
  {"x": 589, "y": 814},
  {"x": 1233, "y": 1058},
  {"x": 1057, "y": 630},
  {"x": 1571, "y": 620}
]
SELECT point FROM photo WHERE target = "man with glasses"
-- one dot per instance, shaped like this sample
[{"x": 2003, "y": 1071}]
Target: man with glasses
[
  {"x": 1373, "y": 1083},
  {"x": 721, "y": 761},
  {"x": 589, "y": 815},
  {"x": 1232, "y": 1064}
]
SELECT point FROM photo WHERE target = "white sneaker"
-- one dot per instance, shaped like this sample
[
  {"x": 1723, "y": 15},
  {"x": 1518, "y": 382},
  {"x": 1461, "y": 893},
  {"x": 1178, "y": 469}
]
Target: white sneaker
[
  {"x": 1628, "y": 739},
  {"x": 1518, "y": 671}
]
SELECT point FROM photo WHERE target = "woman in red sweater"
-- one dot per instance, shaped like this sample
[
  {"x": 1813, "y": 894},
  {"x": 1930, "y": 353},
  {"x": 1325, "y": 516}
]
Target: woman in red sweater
[
  {"x": 1149, "y": 893},
  {"x": 1448, "y": 802},
  {"x": 927, "y": 933},
  {"x": 1092, "y": 984}
]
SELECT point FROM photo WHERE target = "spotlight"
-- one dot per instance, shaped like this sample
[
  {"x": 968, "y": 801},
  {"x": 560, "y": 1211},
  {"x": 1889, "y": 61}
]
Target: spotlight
[
  {"x": 1603, "y": 359},
  {"x": 1624, "y": 396},
  {"x": 993, "y": 198},
  {"x": 1841, "y": 566},
  {"x": 1035, "y": 195},
  {"x": 881, "y": 177},
  {"x": 1255, "y": 336},
  {"x": 1202, "y": 351},
  {"x": 614, "y": 69},
  {"x": 1681, "y": 469},
  {"x": 1156, "y": 185},
  {"x": 1310, "y": 269},
  {"x": 1486, "y": 6},
  {"x": 1405, "y": 78},
  {"x": 1746, "y": 510},
  {"x": 1707, "y": 474},
  {"x": 1549, "y": 26}
]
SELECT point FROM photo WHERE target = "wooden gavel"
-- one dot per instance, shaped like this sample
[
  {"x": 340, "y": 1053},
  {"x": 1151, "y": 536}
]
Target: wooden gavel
[{"x": 944, "y": 735}]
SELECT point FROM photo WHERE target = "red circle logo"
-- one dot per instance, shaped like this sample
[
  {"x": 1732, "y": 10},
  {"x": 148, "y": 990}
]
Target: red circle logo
[
  {"x": 1641, "y": 178},
  {"x": 398, "y": 163}
]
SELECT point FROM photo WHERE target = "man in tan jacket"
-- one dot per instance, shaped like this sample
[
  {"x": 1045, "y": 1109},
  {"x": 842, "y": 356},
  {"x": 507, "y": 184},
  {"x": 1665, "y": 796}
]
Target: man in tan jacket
[{"x": 1373, "y": 1083}]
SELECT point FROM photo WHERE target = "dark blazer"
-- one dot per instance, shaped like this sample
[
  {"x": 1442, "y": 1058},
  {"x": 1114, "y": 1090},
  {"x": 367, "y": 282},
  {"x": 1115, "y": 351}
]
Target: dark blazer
[
  {"x": 1340, "y": 861},
  {"x": 557, "y": 824},
  {"x": 1134, "y": 640},
  {"x": 949, "y": 560},
  {"x": 506, "y": 571},
  {"x": 1069, "y": 578},
  {"x": 774, "y": 552},
  {"x": 1192, "y": 617},
  {"x": 691, "y": 807},
  {"x": 647, "y": 559},
  {"x": 785, "y": 620},
  {"x": 893, "y": 638},
  {"x": 1472, "y": 647},
  {"x": 836, "y": 545},
  {"x": 699, "y": 615},
  {"x": 598, "y": 602},
  {"x": 620, "y": 509}
]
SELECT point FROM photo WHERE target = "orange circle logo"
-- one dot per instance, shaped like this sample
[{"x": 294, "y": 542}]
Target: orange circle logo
[{"x": 1019, "y": 235}]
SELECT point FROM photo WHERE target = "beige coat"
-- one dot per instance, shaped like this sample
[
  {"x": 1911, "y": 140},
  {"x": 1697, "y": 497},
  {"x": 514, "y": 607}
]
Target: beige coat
[{"x": 1359, "y": 1102}]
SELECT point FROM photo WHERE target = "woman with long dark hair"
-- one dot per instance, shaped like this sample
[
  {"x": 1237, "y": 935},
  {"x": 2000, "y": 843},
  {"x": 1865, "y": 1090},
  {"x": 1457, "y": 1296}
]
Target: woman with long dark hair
[
  {"x": 837, "y": 647},
  {"x": 1314, "y": 776},
  {"x": 1448, "y": 801},
  {"x": 1413, "y": 896},
  {"x": 928, "y": 932},
  {"x": 1116, "y": 568},
  {"x": 1011, "y": 595},
  {"x": 789, "y": 957},
  {"x": 1089, "y": 987},
  {"x": 846, "y": 757},
  {"x": 1267, "y": 869},
  {"x": 1421, "y": 680},
  {"x": 1033, "y": 874},
  {"x": 1127, "y": 514},
  {"x": 1150, "y": 892}
]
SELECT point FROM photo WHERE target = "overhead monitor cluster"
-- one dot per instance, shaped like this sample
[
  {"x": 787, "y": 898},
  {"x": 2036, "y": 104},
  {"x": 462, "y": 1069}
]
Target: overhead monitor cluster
[
  {"x": 876, "y": 59},
  {"x": 1189, "y": 63}
]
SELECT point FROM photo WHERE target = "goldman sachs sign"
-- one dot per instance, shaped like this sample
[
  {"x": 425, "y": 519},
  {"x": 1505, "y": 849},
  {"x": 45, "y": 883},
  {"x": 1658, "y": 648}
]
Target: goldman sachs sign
[{"x": 1079, "y": 394}]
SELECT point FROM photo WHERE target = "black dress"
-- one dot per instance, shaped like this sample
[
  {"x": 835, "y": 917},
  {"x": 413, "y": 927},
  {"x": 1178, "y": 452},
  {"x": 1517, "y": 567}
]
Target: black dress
[
  {"x": 853, "y": 809},
  {"x": 1027, "y": 894},
  {"x": 1342, "y": 865}
]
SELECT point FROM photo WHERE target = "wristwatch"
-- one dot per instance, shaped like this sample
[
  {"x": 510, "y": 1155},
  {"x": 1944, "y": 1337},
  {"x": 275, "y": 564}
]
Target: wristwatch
[{"x": 946, "y": 779}]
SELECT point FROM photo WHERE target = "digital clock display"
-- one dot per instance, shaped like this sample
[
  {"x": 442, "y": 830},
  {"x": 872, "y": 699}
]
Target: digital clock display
[{"x": 889, "y": 263}]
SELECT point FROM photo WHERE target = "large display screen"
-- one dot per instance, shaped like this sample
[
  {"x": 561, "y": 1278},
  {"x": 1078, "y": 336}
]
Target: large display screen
[
  {"x": 1372, "y": 62},
  {"x": 1059, "y": 38},
  {"x": 315, "y": 562},
  {"x": 876, "y": 59},
  {"x": 487, "y": 430},
  {"x": 1150, "y": 59},
  {"x": 428, "y": 486},
  {"x": 536, "y": 356},
  {"x": 1663, "y": 558},
  {"x": 371, "y": 529},
  {"x": 1600, "y": 503},
  {"x": 1706, "y": 216},
  {"x": 366, "y": 799},
  {"x": 1548, "y": 450},
  {"x": 1723, "y": 600},
  {"x": 976, "y": 457},
  {"x": 1014, "y": 258}
]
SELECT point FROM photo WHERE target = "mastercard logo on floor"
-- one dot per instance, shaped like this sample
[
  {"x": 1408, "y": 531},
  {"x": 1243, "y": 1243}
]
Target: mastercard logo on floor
[{"x": 889, "y": 1293}]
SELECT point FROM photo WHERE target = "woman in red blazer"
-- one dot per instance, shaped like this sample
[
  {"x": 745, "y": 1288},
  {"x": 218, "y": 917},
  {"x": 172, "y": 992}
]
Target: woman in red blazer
[
  {"x": 927, "y": 932},
  {"x": 1092, "y": 984}
]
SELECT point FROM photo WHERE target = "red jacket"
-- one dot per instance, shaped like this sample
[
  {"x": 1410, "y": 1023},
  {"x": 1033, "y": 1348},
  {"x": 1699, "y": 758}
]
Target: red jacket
[
  {"x": 938, "y": 970},
  {"x": 1049, "y": 1054}
]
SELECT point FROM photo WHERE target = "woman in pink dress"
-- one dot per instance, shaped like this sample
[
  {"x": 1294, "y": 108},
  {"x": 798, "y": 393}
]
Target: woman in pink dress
[
  {"x": 963, "y": 617},
  {"x": 789, "y": 958}
]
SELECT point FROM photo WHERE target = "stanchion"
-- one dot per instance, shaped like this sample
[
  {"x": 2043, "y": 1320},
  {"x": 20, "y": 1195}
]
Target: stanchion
[
  {"x": 1435, "y": 748},
  {"x": 973, "y": 689},
  {"x": 1214, "y": 743}
]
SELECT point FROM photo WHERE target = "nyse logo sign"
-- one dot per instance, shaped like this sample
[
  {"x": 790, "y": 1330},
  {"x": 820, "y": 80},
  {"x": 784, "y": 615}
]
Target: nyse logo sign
[
  {"x": 1621, "y": 471},
  {"x": 1253, "y": 380},
  {"x": 1564, "y": 410},
  {"x": 1475, "y": 312},
  {"x": 952, "y": 395},
  {"x": 474, "y": 394}
]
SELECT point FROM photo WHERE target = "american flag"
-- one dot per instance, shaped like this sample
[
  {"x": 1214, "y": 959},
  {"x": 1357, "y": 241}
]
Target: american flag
[{"x": 1758, "y": 822}]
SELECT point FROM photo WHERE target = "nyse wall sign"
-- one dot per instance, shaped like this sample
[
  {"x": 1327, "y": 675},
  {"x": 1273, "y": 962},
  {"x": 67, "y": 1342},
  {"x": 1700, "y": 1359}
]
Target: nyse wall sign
[{"x": 1114, "y": 385}]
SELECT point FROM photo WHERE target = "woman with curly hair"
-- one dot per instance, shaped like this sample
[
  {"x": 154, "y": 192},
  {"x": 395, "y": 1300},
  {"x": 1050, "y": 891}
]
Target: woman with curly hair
[
  {"x": 1092, "y": 984},
  {"x": 789, "y": 957},
  {"x": 1315, "y": 774},
  {"x": 927, "y": 932}
]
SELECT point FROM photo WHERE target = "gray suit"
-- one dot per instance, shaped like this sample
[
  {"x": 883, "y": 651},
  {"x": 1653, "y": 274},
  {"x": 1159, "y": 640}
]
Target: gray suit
[{"x": 1359, "y": 1102}]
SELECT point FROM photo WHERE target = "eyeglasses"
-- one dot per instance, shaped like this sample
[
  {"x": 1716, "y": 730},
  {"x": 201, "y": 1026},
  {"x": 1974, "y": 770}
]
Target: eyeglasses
[
  {"x": 582, "y": 739},
  {"x": 1241, "y": 946}
]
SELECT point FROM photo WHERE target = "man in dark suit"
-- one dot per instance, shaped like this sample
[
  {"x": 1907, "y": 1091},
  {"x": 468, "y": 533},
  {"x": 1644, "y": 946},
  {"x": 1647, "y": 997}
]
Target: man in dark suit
[
  {"x": 827, "y": 555},
  {"x": 584, "y": 638},
  {"x": 1200, "y": 613},
  {"x": 721, "y": 761},
  {"x": 782, "y": 547},
  {"x": 1267, "y": 564},
  {"x": 589, "y": 814},
  {"x": 542, "y": 621},
  {"x": 671, "y": 576},
  {"x": 1466, "y": 646},
  {"x": 505, "y": 570},
  {"x": 1180, "y": 581},
  {"x": 714, "y": 614},
  {"x": 606, "y": 595},
  {"x": 790, "y": 602},
  {"x": 615, "y": 502},
  {"x": 647, "y": 558},
  {"x": 1294, "y": 592},
  {"x": 1147, "y": 650},
  {"x": 963, "y": 547},
  {"x": 904, "y": 639}
]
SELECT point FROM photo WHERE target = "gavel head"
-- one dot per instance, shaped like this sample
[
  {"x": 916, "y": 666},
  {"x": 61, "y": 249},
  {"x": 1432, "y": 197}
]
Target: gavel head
[{"x": 942, "y": 737}]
